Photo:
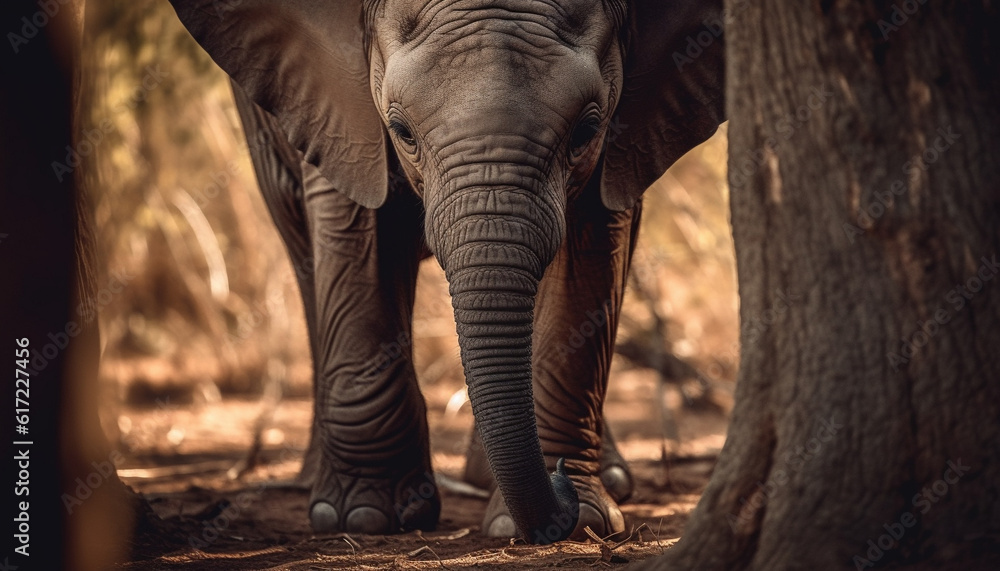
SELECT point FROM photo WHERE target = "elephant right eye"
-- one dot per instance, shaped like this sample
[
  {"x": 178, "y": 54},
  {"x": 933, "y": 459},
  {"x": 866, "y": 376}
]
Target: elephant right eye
[{"x": 403, "y": 133}]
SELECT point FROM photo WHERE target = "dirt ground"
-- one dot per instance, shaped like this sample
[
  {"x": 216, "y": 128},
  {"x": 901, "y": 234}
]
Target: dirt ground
[{"x": 181, "y": 459}]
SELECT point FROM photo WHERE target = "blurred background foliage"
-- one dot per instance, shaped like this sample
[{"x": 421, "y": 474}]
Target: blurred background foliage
[{"x": 198, "y": 298}]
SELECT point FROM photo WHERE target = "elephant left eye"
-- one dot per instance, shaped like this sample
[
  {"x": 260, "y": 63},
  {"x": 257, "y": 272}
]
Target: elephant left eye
[
  {"x": 403, "y": 133},
  {"x": 584, "y": 133}
]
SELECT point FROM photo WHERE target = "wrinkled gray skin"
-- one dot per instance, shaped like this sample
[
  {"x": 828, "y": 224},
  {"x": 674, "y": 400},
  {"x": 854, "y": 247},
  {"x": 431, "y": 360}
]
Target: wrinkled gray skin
[{"x": 476, "y": 131}]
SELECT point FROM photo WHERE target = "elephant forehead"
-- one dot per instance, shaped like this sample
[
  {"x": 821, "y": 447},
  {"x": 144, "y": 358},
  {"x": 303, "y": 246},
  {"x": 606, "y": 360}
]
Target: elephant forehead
[
  {"x": 491, "y": 78},
  {"x": 536, "y": 51},
  {"x": 562, "y": 20},
  {"x": 492, "y": 61}
]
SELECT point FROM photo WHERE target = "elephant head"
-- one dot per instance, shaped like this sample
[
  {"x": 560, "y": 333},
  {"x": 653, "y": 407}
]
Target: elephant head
[{"x": 500, "y": 112}]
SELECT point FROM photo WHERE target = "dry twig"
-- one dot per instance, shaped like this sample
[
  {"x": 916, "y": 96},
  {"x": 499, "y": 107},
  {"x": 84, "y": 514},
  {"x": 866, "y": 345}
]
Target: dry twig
[{"x": 426, "y": 549}]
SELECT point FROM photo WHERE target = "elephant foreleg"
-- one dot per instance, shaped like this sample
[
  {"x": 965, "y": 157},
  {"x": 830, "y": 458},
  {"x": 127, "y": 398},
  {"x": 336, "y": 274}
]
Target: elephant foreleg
[{"x": 375, "y": 476}]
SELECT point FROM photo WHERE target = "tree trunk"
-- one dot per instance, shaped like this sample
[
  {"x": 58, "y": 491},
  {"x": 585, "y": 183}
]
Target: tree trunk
[
  {"x": 866, "y": 218},
  {"x": 68, "y": 509}
]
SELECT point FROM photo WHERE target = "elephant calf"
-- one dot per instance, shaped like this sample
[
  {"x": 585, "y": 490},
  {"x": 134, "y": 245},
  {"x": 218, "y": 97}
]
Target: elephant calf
[{"x": 510, "y": 139}]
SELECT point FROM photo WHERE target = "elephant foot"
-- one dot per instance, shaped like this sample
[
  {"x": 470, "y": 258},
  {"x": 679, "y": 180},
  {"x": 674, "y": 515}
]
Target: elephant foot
[
  {"x": 597, "y": 510},
  {"x": 375, "y": 506}
]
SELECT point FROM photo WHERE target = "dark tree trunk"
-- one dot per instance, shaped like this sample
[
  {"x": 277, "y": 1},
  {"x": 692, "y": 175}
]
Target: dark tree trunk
[
  {"x": 866, "y": 218},
  {"x": 68, "y": 507}
]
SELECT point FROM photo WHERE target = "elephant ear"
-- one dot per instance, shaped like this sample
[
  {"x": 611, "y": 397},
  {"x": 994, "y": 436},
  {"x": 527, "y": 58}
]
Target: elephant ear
[
  {"x": 672, "y": 95},
  {"x": 303, "y": 61}
]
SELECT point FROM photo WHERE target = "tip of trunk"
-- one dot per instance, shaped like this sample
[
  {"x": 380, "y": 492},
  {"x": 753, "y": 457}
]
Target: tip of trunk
[{"x": 563, "y": 522}]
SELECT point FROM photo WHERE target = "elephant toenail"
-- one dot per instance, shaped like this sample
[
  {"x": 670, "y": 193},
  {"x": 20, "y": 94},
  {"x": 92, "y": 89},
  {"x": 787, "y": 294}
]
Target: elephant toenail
[
  {"x": 367, "y": 520},
  {"x": 324, "y": 518},
  {"x": 590, "y": 516},
  {"x": 502, "y": 526},
  {"x": 617, "y": 482}
]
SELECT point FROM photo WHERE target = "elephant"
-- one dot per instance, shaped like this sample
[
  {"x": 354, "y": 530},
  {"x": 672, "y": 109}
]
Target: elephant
[{"x": 511, "y": 140}]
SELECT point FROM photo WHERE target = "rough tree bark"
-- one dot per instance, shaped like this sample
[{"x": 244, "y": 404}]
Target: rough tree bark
[{"x": 866, "y": 218}]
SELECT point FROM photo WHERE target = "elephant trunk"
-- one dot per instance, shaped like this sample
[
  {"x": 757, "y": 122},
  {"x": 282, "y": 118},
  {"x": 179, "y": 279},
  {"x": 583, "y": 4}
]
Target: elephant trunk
[{"x": 494, "y": 246}]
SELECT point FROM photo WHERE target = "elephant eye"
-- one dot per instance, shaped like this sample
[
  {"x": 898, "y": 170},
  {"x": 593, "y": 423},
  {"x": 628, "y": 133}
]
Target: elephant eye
[
  {"x": 584, "y": 132},
  {"x": 402, "y": 132}
]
